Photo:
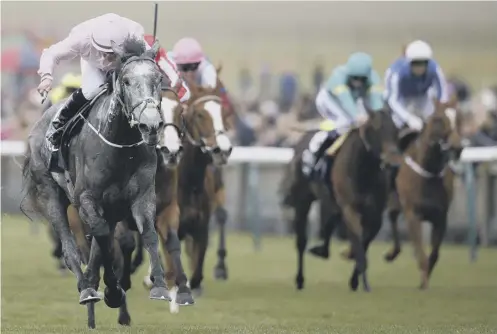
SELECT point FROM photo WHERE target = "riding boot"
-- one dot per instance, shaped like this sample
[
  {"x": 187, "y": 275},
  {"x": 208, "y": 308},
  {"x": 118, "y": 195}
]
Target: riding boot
[
  {"x": 310, "y": 158},
  {"x": 71, "y": 106}
]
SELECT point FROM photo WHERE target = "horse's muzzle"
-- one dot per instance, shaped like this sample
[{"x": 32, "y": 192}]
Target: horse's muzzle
[
  {"x": 171, "y": 158},
  {"x": 392, "y": 156}
]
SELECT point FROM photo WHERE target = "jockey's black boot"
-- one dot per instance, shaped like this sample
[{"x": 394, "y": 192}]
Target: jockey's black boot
[
  {"x": 317, "y": 155},
  {"x": 72, "y": 105}
]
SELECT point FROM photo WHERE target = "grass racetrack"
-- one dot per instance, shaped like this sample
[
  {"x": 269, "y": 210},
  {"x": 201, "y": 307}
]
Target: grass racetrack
[{"x": 260, "y": 296}]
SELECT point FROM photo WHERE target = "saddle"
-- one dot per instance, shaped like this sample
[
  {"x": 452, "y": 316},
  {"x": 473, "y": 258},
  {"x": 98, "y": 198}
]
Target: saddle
[
  {"x": 58, "y": 160},
  {"x": 324, "y": 165}
]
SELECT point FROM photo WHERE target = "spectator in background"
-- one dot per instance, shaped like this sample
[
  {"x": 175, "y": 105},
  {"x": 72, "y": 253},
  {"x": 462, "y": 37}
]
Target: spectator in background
[
  {"x": 288, "y": 91},
  {"x": 317, "y": 77},
  {"x": 245, "y": 81},
  {"x": 266, "y": 84},
  {"x": 267, "y": 134}
]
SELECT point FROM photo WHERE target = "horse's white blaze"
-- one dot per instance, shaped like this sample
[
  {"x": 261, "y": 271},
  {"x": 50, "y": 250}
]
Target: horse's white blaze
[
  {"x": 171, "y": 137},
  {"x": 451, "y": 115},
  {"x": 173, "y": 306},
  {"x": 215, "y": 111}
]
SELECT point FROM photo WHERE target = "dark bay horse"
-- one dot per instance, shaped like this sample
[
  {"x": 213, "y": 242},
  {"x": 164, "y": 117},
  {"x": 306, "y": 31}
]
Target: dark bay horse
[
  {"x": 298, "y": 193},
  {"x": 110, "y": 173},
  {"x": 425, "y": 186},
  {"x": 354, "y": 189},
  {"x": 360, "y": 184}
]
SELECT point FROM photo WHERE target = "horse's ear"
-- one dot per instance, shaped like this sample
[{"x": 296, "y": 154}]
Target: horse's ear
[
  {"x": 152, "y": 53},
  {"x": 118, "y": 50}
]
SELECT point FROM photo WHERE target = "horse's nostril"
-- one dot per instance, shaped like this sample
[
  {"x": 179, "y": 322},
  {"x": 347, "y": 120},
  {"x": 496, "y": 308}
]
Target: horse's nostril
[
  {"x": 142, "y": 127},
  {"x": 161, "y": 124},
  {"x": 216, "y": 150}
]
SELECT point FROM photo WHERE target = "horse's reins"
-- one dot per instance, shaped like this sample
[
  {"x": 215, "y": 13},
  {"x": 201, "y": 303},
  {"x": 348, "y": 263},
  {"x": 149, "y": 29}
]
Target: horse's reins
[
  {"x": 129, "y": 113},
  {"x": 418, "y": 169},
  {"x": 198, "y": 143}
]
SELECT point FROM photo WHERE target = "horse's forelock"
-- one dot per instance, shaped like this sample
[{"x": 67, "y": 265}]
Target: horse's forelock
[{"x": 133, "y": 46}]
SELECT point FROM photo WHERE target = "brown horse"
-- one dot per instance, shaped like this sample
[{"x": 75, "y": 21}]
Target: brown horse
[
  {"x": 220, "y": 212},
  {"x": 353, "y": 190},
  {"x": 360, "y": 184},
  {"x": 406, "y": 138},
  {"x": 167, "y": 212},
  {"x": 425, "y": 185},
  {"x": 205, "y": 143}
]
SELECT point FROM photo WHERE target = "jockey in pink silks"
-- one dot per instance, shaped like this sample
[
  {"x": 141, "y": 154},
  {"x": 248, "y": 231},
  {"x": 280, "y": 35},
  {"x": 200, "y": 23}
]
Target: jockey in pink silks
[
  {"x": 192, "y": 63},
  {"x": 91, "y": 42}
]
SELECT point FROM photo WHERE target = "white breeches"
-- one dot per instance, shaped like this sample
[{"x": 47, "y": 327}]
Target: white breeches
[
  {"x": 422, "y": 107},
  {"x": 330, "y": 109},
  {"x": 91, "y": 79}
]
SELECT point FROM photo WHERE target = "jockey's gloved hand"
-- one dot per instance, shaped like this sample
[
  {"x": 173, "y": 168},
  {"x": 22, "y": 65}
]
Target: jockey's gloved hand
[
  {"x": 361, "y": 119},
  {"x": 415, "y": 123},
  {"x": 45, "y": 85}
]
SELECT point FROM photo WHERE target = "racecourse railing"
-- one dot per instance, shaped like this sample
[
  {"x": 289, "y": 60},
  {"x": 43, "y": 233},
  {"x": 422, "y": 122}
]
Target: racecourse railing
[{"x": 253, "y": 157}]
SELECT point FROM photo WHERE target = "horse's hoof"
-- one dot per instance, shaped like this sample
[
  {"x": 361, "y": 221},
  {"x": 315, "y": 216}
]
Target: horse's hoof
[
  {"x": 347, "y": 254},
  {"x": 124, "y": 320},
  {"x": 114, "y": 299},
  {"x": 184, "y": 299},
  {"x": 354, "y": 283},
  {"x": 197, "y": 292},
  {"x": 159, "y": 293},
  {"x": 320, "y": 251},
  {"x": 220, "y": 273},
  {"x": 392, "y": 255},
  {"x": 88, "y": 295}
]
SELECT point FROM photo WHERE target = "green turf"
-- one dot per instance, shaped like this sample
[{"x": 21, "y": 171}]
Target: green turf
[{"x": 260, "y": 296}]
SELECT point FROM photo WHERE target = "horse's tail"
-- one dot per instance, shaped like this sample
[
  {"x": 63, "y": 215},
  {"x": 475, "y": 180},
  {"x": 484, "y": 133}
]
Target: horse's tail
[{"x": 29, "y": 189}]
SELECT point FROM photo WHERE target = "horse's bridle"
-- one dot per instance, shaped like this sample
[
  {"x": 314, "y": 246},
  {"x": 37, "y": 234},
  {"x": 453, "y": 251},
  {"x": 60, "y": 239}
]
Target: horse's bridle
[
  {"x": 148, "y": 100},
  {"x": 200, "y": 143},
  {"x": 417, "y": 168}
]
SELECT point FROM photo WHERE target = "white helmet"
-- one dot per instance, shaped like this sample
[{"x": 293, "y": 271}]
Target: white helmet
[
  {"x": 109, "y": 31},
  {"x": 419, "y": 50}
]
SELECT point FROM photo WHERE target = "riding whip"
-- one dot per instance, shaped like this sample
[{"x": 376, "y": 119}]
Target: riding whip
[{"x": 156, "y": 12}]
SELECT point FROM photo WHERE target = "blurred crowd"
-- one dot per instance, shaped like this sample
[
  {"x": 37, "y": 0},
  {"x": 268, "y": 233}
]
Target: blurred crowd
[{"x": 272, "y": 109}]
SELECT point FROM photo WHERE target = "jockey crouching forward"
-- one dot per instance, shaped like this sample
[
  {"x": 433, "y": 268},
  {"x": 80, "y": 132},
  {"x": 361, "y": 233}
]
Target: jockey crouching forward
[
  {"x": 410, "y": 83},
  {"x": 338, "y": 102},
  {"x": 92, "y": 42}
]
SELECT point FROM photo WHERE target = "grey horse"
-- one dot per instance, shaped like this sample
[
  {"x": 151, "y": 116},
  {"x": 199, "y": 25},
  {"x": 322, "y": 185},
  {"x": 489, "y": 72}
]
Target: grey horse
[{"x": 110, "y": 173}]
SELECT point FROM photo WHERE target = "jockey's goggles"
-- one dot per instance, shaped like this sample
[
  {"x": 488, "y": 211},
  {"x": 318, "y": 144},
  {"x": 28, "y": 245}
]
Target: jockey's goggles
[
  {"x": 358, "y": 78},
  {"x": 188, "y": 67},
  {"x": 419, "y": 62}
]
